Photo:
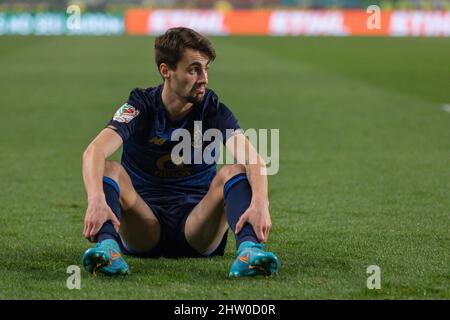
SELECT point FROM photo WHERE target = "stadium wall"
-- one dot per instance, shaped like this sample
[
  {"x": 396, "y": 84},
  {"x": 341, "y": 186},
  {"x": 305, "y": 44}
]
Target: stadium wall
[
  {"x": 236, "y": 22},
  {"x": 291, "y": 22},
  {"x": 60, "y": 23}
]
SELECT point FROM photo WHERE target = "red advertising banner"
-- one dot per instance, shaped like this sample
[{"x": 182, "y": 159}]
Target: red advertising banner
[{"x": 292, "y": 22}]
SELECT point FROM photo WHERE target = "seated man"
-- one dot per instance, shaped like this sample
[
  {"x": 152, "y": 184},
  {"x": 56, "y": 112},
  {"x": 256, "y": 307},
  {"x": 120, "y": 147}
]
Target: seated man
[{"x": 152, "y": 205}]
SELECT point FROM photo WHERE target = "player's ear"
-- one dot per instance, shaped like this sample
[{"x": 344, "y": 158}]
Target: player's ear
[{"x": 164, "y": 71}]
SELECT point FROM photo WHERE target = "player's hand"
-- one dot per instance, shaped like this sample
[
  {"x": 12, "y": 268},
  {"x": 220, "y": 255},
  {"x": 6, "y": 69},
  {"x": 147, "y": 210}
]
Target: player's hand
[
  {"x": 97, "y": 213},
  {"x": 258, "y": 216}
]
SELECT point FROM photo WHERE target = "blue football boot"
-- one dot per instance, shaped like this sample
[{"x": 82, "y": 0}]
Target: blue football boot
[
  {"x": 252, "y": 260},
  {"x": 105, "y": 258}
]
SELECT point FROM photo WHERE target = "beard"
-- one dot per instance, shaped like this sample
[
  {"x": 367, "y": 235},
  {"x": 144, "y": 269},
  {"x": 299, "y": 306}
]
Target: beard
[{"x": 194, "y": 98}]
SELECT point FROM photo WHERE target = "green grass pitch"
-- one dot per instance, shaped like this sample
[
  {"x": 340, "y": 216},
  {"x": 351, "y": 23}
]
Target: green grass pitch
[{"x": 364, "y": 164}]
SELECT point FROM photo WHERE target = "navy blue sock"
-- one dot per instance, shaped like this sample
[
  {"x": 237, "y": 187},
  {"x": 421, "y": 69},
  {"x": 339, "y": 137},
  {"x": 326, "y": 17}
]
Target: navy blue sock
[
  {"x": 112, "y": 193},
  {"x": 238, "y": 195}
]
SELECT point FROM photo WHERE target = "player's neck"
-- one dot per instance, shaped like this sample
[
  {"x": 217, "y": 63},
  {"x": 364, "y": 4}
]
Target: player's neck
[{"x": 175, "y": 106}]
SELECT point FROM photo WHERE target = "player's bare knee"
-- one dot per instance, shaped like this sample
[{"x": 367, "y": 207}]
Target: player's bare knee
[
  {"x": 128, "y": 195},
  {"x": 229, "y": 171},
  {"x": 112, "y": 170}
]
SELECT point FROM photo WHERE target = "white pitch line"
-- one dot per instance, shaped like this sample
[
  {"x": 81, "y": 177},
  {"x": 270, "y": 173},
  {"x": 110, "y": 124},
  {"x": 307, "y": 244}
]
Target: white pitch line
[{"x": 446, "y": 107}]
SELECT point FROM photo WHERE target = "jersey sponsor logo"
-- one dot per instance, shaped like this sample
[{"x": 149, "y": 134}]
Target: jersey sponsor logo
[
  {"x": 167, "y": 169},
  {"x": 126, "y": 113}
]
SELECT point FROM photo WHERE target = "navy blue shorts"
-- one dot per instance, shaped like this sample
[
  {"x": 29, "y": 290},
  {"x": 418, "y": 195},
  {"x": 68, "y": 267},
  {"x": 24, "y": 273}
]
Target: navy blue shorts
[{"x": 172, "y": 219}]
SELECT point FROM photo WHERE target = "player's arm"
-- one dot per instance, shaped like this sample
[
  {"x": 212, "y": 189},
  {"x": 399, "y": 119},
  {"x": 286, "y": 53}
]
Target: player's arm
[
  {"x": 258, "y": 213},
  {"x": 98, "y": 212}
]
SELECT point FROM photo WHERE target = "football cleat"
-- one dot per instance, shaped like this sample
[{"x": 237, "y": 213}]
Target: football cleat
[
  {"x": 252, "y": 260},
  {"x": 105, "y": 258}
]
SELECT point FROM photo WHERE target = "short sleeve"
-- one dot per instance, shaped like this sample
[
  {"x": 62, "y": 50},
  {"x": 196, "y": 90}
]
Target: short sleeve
[
  {"x": 130, "y": 117},
  {"x": 227, "y": 122}
]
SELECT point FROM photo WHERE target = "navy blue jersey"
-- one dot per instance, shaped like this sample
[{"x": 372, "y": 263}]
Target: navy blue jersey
[{"x": 146, "y": 130}]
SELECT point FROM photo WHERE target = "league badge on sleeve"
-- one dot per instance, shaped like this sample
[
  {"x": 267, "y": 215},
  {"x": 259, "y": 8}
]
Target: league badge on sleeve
[{"x": 126, "y": 113}]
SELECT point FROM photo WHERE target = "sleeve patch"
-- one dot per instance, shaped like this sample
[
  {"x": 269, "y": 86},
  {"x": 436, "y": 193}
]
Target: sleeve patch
[{"x": 126, "y": 113}]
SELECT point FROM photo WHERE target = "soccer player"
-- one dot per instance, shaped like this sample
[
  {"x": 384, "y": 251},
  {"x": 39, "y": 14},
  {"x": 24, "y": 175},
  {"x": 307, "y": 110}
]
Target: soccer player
[{"x": 152, "y": 206}]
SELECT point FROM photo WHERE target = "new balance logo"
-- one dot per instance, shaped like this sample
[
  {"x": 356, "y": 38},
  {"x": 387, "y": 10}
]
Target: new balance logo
[{"x": 157, "y": 140}]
